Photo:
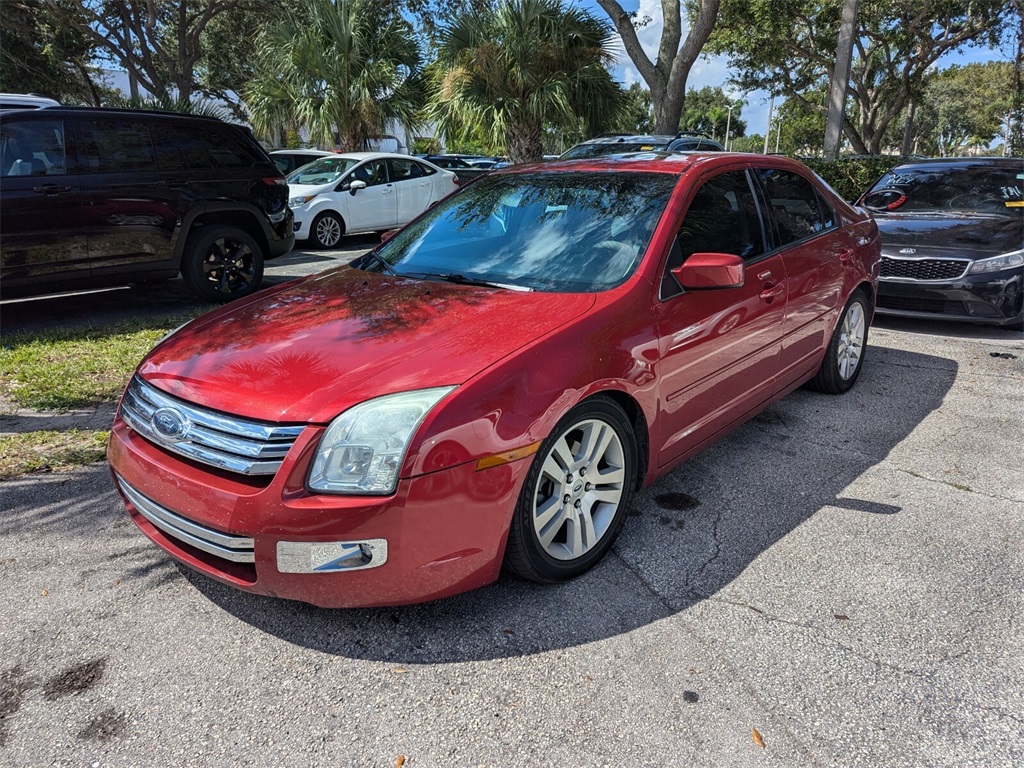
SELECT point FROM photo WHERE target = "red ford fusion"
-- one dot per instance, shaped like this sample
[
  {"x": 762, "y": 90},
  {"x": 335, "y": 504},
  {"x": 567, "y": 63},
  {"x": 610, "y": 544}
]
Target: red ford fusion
[{"x": 492, "y": 384}]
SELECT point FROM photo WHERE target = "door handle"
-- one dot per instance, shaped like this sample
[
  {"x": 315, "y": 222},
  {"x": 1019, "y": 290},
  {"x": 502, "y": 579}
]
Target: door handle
[
  {"x": 51, "y": 189},
  {"x": 770, "y": 292},
  {"x": 175, "y": 183},
  {"x": 845, "y": 254}
]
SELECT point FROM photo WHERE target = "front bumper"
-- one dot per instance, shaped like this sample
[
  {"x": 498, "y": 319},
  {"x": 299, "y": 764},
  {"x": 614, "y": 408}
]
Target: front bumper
[
  {"x": 442, "y": 533},
  {"x": 995, "y": 298}
]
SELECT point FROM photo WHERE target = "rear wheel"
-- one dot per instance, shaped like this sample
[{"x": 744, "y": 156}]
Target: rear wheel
[
  {"x": 844, "y": 357},
  {"x": 327, "y": 230},
  {"x": 575, "y": 496},
  {"x": 222, "y": 263}
]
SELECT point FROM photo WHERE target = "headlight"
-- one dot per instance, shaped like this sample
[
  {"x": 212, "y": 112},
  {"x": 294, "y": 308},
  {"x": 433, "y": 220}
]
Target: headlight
[
  {"x": 295, "y": 202},
  {"x": 998, "y": 263},
  {"x": 363, "y": 449}
]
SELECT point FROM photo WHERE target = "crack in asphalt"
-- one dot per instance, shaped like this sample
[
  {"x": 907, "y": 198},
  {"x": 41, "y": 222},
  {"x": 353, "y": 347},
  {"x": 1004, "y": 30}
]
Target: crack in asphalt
[{"x": 958, "y": 486}]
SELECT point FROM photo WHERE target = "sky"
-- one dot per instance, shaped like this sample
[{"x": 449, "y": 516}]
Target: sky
[{"x": 714, "y": 71}]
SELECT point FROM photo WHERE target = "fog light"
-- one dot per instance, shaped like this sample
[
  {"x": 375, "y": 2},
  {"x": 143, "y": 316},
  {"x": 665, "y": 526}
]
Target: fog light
[{"x": 330, "y": 556}]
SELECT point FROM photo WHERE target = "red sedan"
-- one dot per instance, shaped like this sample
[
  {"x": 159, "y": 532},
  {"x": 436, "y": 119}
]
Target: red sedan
[{"x": 492, "y": 384}]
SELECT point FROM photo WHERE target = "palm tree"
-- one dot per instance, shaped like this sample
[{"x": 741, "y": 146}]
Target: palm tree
[
  {"x": 341, "y": 67},
  {"x": 523, "y": 64}
]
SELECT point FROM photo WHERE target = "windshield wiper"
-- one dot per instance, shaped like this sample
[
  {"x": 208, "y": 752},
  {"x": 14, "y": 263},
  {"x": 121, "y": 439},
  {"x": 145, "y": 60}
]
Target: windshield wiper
[
  {"x": 455, "y": 277},
  {"x": 382, "y": 261}
]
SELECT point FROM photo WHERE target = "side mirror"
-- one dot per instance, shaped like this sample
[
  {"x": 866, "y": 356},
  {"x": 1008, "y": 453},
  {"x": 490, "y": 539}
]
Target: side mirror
[
  {"x": 704, "y": 271},
  {"x": 356, "y": 184},
  {"x": 385, "y": 236}
]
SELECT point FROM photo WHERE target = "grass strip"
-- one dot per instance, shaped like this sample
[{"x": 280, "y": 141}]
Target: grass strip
[
  {"x": 47, "y": 450},
  {"x": 77, "y": 368}
]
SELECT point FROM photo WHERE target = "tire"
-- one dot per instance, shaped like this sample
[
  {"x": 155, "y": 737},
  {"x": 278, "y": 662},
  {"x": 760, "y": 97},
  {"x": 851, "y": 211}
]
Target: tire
[
  {"x": 327, "y": 230},
  {"x": 222, "y": 264},
  {"x": 549, "y": 538},
  {"x": 844, "y": 357}
]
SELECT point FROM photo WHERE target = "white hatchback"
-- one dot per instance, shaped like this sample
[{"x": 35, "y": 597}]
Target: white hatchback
[{"x": 363, "y": 192}]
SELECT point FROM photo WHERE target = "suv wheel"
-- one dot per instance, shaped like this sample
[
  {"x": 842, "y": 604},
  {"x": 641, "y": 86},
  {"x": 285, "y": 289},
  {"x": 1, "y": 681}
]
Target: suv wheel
[{"x": 222, "y": 263}]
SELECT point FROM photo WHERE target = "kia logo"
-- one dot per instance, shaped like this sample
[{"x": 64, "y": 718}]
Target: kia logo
[{"x": 908, "y": 251}]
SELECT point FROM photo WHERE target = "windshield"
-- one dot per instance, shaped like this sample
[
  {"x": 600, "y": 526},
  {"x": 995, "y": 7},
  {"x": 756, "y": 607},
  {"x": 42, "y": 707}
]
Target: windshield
[
  {"x": 558, "y": 231},
  {"x": 326, "y": 170},
  {"x": 972, "y": 187},
  {"x": 611, "y": 148}
]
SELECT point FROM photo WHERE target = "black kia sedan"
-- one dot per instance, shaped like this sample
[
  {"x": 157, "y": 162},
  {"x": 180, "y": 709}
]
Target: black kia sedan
[{"x": 952, "y": 239}]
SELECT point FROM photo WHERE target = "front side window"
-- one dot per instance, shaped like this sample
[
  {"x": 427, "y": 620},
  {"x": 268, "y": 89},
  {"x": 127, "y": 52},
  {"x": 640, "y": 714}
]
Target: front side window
[
  {"x": 558, "y": 232},
  {"x": 32, "y": 148},
  {"x": 373, "y": 173},
  {"x": 722, "y": 218},
  {"x": 794, "y": 205}
]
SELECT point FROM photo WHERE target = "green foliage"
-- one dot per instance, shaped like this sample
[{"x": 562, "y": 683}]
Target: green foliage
[
  {"x": 48, "y": 450},
  {"x": 635, "y": 115},
  {"x": 851, "y": 176},
  {"x": 788, "y": 47},
  {"x": 967, "y": 105},
  {"x": 707, "y": 111},
  {"x": 511, "y": 70},
  {"x": 170, "y": 104},
  {"x": 802, "y": 122},
  {"x": 344, "y": 67},
  {"x": 41, "y": 54},
  {"x": 426, "y": 145}
]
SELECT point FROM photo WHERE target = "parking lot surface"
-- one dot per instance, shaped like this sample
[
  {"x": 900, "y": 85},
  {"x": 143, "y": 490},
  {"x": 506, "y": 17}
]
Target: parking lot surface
[{"x": 836, "y": 583}]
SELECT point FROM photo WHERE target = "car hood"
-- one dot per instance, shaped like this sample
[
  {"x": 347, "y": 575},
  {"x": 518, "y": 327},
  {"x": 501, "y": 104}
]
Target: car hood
[
  {"x": 301, "y": 190},
  {"x": 951, "y": 235},
  {"x": 308, "y": 350}
]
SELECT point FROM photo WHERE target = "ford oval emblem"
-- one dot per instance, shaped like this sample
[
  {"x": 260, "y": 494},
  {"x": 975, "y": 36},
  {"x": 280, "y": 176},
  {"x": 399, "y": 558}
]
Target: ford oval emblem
[
  {"x": 170, "y": 424},
  {"x": 908, "y": 251}
]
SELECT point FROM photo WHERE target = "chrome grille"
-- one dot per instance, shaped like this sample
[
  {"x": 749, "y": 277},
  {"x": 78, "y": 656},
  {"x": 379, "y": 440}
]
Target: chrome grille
[
  {"x": 237, "y": 549},
  {"x": 924, "y": 269},
  {"x": 209, "y": 437}
]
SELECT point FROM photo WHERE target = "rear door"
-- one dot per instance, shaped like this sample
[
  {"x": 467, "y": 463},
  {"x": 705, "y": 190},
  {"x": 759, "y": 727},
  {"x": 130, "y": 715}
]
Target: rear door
[
  {"x": 719, "y": 348},
  {"x": 412, "y": 187},
  {"x": 134, "y": 187},
  {"x": 806, "y": 237},
  {"x": 42, "y": 229}
]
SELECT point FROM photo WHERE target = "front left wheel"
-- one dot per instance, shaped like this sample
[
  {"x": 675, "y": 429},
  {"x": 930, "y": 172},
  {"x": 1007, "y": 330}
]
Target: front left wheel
[{"x": 575, "y": 496}]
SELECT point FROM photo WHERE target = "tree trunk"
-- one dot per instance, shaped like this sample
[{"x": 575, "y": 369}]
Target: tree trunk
[
  {"x": 908, "y": 131},
  {"x": 840, "y": 81},
  {"x": 524, "y": 144}
]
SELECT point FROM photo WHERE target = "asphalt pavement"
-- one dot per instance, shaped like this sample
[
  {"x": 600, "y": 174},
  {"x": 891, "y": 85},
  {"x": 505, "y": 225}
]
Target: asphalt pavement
[{"x": 837, "y": 583}]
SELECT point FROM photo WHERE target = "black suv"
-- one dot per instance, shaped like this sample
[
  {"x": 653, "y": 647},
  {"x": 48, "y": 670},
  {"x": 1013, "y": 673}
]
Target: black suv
[{"x": 98, "y": 197}]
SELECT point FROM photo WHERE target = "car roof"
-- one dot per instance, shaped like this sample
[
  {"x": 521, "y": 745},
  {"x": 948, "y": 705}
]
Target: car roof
[
  {"x": 62, "y": 111},
  {"x": 298, "y": 151},
  {"x": 654, "y": 161},
  {"x": 925, "y": 161}
]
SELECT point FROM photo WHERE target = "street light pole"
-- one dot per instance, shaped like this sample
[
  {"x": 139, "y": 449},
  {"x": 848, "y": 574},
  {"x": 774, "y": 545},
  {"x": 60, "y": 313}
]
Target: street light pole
[
  {"x": 768, "y": 130},
  {"x": 728, "y": 124}
]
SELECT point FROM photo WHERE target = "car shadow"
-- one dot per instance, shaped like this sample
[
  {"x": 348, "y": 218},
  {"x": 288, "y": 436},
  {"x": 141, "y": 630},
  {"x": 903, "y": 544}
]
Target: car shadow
[{"x": 687, "y": 538}]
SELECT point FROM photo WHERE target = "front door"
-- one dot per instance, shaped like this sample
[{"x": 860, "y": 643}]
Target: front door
[
  {"x": 719, "y": 348},
  {"x": 376, "y": 205}
]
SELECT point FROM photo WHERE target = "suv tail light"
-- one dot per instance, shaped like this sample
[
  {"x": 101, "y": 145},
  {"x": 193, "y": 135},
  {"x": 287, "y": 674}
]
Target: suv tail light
[
  {"x": 273, "y": 181},
  {"x": 455, "y": 179}
]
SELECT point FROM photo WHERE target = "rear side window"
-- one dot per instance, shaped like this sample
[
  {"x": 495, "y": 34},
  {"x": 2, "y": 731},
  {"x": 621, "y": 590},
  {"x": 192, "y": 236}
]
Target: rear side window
[
  {"x": 115, "y": 145},
  {"x": 32, "y": 148},
  {"x": 795, "y": 205},
  {"x": 405, "y": 169},
  {"x": 209, "y": 146}
]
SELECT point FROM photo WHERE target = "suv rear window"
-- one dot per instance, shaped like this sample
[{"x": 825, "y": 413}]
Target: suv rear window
[{"x": 212, "y": 147}]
